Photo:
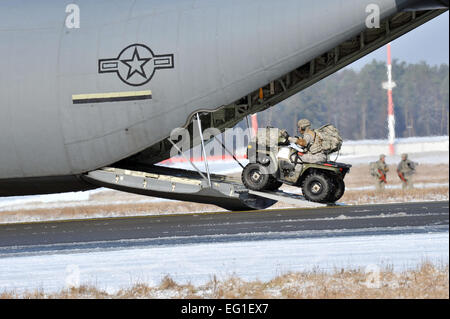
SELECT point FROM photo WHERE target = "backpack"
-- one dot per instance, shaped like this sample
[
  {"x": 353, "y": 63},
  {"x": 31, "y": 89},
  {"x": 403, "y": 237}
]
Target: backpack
[
  {"x": 373, "y": 169},
  {"x": 328, "y": 139},
  {"x": 412, "y": 165}
]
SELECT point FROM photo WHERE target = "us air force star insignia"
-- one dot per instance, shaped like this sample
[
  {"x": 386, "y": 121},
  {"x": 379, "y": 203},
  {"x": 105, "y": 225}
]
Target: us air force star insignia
[{"x": 136, "y": 64}]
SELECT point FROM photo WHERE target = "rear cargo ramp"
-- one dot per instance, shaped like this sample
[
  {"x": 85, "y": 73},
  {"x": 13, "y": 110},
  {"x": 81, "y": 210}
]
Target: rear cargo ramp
[
  {"x": 180, "y": 185},
  {"x": 183, "y": 185}
]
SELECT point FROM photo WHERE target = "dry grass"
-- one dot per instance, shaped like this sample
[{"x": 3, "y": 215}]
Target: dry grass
[
  {"x": 395, "y": 196},
  {"x": 104, "y": 210},
  {"x": 427, "y": 281}
]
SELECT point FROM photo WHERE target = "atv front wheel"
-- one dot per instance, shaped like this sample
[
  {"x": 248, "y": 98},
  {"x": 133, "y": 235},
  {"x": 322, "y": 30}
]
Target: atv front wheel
[
  {"x": 317, "y": 187},
  {"x": 255, "y": 176}
]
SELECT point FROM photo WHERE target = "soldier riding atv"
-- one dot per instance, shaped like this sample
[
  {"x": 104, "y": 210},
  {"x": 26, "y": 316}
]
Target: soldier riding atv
[{"x": 276, "y": 159}]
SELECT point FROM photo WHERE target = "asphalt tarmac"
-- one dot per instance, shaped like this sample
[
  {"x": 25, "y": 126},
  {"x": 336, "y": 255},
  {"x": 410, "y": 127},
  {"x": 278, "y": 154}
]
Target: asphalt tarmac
[{"x": 113, "y": 233}]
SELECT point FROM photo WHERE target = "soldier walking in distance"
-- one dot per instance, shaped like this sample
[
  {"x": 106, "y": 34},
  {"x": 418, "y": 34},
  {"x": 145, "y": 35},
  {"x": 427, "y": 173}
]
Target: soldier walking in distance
[
  {"x": 379, "y": 170},
  {"x": 405, "y": 170}
]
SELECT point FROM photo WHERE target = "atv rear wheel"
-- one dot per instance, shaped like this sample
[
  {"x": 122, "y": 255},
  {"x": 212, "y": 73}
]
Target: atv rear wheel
[
  {"x": 317, "y": 187},
  {"x": 255, "y": 177}
]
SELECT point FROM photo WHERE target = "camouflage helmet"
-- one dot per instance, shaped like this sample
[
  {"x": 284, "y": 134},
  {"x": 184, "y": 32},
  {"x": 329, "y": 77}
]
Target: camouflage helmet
[
  {"x": 405, "y": 156},
  {"x": 382, "y": 156},
  {"x": 303, "y": 124}
]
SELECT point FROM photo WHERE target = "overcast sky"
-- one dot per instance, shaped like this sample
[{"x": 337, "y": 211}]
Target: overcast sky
[{"x": 428, "y": 43}]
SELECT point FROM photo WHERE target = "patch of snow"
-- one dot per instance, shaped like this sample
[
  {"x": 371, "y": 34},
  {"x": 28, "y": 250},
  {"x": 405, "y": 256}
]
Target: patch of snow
[
  {"x": 198, "y": 263},
  {"x": 424, "y": 139}
]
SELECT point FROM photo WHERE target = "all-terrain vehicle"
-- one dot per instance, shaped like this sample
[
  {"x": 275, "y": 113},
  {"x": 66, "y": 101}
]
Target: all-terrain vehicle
[{"x": 273, "y": 161}]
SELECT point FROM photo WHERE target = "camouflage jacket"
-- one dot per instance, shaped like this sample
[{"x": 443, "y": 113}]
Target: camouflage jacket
[
  {"x": 382, "y": 168},
  {"x": 310, "y": 142}
]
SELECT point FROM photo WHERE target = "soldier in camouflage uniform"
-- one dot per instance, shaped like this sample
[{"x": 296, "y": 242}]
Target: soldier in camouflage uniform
[
  {"x": 405, "y": 170},
  {"x": 379, "y": 170},
  {"x": 313, "y": 150}
]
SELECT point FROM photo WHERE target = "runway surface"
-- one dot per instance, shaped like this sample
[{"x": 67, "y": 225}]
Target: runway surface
[{"x": 113, "y": 233}]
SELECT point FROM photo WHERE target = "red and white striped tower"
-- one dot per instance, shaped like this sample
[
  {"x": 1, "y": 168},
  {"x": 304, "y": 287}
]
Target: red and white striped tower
[
  {"x": 389, "y": 85},
  {"x": 254, "y": 118}
]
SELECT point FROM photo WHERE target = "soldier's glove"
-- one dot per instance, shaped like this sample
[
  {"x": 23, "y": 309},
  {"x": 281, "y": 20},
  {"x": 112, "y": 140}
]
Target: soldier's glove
[{"x": 284, "y": 133}]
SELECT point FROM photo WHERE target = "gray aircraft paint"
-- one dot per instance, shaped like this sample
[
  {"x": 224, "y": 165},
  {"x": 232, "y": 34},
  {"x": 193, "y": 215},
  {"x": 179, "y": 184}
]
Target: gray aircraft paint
[{"x": 222, "y": 50}]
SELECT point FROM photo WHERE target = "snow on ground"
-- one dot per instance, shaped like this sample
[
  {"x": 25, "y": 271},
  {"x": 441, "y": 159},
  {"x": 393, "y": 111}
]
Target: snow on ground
[
  {"x": 76, "y": 199},
  {"x": 402, "y": 140},
  {"x": 198, "y": 263},
  {"x": 19, "y": 202}
]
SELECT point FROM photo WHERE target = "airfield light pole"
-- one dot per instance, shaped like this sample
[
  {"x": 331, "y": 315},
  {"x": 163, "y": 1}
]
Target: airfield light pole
[{"x": 389, "y": 85}]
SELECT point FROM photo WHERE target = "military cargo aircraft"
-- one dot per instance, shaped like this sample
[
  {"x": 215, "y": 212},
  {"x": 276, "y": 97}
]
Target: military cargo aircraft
[{"x": 90, "y": 91}]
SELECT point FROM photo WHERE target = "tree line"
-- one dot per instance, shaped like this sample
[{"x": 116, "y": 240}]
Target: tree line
[{"x": 356, "y": 103}]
